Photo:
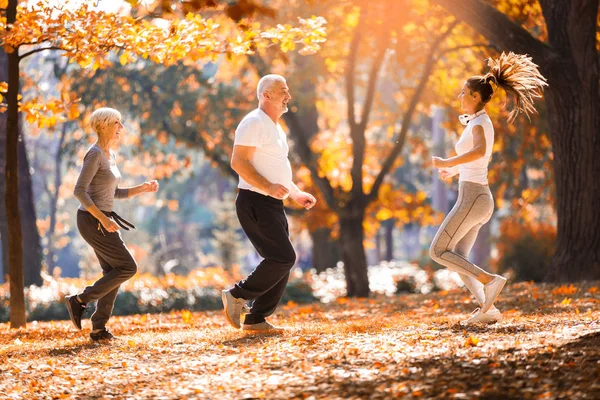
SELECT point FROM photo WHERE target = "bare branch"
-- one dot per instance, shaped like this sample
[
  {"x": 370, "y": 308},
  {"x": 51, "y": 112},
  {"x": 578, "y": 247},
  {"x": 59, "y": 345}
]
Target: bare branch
[
  {"x": 372, "y": 84},
  {"x": 406, "y": 120},
  {"x": 40, "y": 49},
  {"x": 350, "y": 73},
  {"x": 358, "y": 131}
]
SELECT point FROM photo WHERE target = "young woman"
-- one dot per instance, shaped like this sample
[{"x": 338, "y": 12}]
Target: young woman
[
  {"x": 96, "y": 188},
  {"x": 520, "y": 78}
]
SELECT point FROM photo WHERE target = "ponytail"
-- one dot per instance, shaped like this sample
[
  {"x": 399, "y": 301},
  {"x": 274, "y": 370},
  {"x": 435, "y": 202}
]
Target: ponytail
[{"x": 518, "y": 75}]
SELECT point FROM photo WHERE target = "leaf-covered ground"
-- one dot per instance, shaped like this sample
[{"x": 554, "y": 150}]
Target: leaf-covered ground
[{"x": 547, "y": 347}]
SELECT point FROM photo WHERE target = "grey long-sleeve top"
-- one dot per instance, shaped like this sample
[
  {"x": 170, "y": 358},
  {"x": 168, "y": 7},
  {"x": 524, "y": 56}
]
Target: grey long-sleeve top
[{"x": 98, "y": 181}]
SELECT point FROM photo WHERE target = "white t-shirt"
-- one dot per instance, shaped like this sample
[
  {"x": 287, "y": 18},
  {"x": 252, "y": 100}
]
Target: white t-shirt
[
  {"x": 476, "y": 171},
  {"x": 270, "y": 159}
]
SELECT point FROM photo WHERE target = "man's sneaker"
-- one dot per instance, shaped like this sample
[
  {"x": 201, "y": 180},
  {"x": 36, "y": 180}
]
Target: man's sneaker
[
  {"x": 491, "y": 291},
  {"x": 477, "y": 317},
  {"x": 262, "y": 327},
  {"x": 233, "y": 308},
  {"x": 104, "y": 334},
  {"x": 75, "y": 309}
]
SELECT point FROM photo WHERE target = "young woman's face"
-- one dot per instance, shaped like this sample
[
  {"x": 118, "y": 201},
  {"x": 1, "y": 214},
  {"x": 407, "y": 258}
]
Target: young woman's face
[{"x": 468, "y": 100}]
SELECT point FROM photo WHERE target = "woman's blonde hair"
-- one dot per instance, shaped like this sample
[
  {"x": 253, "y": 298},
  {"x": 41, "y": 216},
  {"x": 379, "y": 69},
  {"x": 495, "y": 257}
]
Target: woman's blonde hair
[
  {"x": 103, "y": 117},
  {"x": 518, "y": 75}
]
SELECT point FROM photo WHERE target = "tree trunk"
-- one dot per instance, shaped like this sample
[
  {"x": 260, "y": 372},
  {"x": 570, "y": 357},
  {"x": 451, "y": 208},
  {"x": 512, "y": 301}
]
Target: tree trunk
[
  {"x": 570, "y": 63},
  {"x": 573, "y": 102},
  {"x": 378, "y": 246},
  {"x": 32, "y": 258},
  {"x": 389, "y": 239},
  {"x": 353, "y": 254},
  {"x": 50, "y": 262},
  {"x": 325, "y": 252},
  {"x": 3, "y": 217},
  {"x": 15, "y": 249},
  {"x": 15, "y": 244},
  {"x": 575, "y": 131}
]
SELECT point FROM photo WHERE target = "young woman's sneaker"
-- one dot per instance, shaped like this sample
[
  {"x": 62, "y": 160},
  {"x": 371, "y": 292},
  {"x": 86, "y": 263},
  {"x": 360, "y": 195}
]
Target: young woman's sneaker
[
  {"x": 491, "y": 291},
  {"x": 477, "y": 317}
]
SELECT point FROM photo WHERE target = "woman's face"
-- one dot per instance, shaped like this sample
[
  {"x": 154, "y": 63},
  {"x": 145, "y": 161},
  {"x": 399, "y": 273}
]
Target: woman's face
[
  {"x": 113, "y": 132},
  {"x": 468, "y": 100}
]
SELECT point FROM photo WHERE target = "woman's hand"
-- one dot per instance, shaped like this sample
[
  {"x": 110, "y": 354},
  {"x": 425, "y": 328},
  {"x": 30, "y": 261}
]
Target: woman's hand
[
  {"x": 444, "y": 174},
  {"x": 441, "y": 162},
  {"x": 109, "y": 224},
  {"x": 151, "y": 186}
]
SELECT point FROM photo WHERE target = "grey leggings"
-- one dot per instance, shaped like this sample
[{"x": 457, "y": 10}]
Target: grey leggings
[{"x": 457, "y": 234}]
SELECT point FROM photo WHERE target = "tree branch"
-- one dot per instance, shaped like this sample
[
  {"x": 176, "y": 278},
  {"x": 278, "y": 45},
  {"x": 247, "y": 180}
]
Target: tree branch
[
  {"x": 350, "y": 73},
  {"x": 40, "y": 49},
  {"x": 497, "y": 28},
  {"x": 372, "y": 85},
  {"x": 467, "y": 46},
  {"x": 406, "y": 120},
  {"x": 306, "y": 155},
  {"x": 357, "y": 132}
]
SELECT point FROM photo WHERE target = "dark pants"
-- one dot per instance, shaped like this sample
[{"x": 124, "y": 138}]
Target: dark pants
[
  {"x": 118, "y": 265},
  {"x": 264, "y": 222}
]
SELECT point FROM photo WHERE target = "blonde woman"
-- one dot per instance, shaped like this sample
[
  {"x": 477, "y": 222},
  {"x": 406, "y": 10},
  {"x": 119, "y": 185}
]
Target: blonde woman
[
  {"x": 520, "y": 78},
  {"x": 96, "y": 188}
]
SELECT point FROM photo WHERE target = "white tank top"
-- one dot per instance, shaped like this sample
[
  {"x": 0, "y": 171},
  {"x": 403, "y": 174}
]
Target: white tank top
[{"x": 476, "y": 171}]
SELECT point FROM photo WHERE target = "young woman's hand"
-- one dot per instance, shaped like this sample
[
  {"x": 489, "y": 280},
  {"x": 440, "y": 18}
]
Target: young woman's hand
[
  {"x": 440, "y": 162},
  {"x": 444, "y": 174}
]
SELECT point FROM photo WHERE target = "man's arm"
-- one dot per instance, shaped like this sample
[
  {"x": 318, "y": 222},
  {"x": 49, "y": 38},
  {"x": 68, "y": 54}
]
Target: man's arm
[
  {"x": 240, "y": 162},
  {"x": 306, "y": 200}
]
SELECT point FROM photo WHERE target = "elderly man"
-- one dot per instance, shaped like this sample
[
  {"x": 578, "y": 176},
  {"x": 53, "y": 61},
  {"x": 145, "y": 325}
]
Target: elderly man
[{"x": 260, "y": 157}]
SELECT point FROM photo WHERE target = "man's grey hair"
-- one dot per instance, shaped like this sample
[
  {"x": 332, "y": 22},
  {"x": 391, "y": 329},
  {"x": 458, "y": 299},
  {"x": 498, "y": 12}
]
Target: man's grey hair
[
  {"x": 266, "y": 83},
  {"x": 103, "y": 117}
]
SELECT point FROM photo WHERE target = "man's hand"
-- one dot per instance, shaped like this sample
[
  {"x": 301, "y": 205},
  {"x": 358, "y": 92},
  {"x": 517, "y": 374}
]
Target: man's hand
[
  {"x": 278, "y": 191},
  {"x": 306, "y": 200}
]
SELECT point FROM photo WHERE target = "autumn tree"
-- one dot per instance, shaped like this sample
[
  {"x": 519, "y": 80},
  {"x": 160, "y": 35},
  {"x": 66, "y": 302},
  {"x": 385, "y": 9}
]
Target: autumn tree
[
  {"x": 565, "y": 44},
  {"x": 31, "y": 28}
]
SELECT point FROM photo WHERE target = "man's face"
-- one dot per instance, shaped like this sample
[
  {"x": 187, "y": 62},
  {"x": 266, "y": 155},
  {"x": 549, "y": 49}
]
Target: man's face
[{"x": 279, "y": 96}]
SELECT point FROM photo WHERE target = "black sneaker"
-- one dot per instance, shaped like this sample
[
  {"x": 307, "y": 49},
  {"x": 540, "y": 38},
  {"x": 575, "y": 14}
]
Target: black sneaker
[
  {"x": 104, "y": 334},
  {"x": 75, "y": 309}
]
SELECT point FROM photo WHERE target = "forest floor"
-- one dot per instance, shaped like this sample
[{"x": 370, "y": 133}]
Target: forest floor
[{"x": 407, "y": 346}]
